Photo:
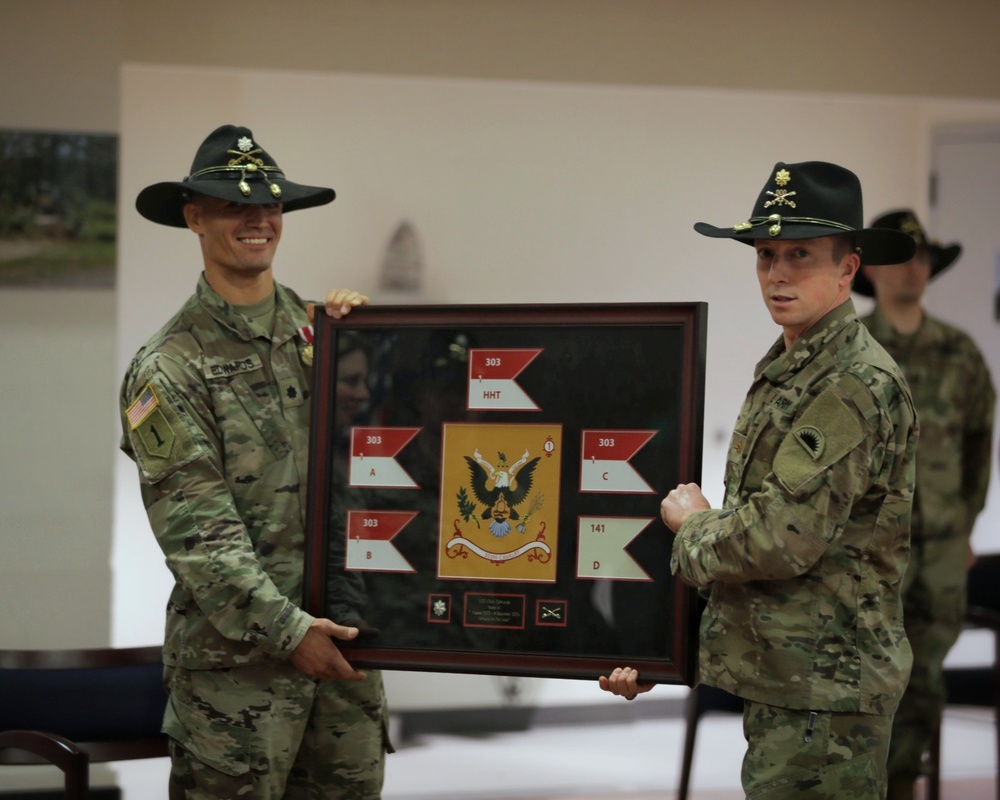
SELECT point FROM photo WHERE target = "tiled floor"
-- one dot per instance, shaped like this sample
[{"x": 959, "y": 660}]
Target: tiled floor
[
  {"x": 632, "y": 760},
  {"x": 637, "y": 760}
]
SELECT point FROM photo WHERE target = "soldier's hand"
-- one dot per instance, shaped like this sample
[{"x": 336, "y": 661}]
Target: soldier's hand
[
  {"x": 682, "y": 502},
  {"x": 339, "y": 302},
  {"x": 624, "y": 681},
  {"x": 318, "y": 657}
]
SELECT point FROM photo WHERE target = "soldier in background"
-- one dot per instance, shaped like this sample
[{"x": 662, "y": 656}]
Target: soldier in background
[
  {"x": 215, "y": 413},
  {"x": 954, "y": 398},
  {"x": 803, "y": 565}
]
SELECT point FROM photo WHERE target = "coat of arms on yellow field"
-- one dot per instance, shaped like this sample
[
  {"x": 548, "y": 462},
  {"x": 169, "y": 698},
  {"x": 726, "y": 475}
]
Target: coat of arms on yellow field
[{"x": 499, "y": 502}]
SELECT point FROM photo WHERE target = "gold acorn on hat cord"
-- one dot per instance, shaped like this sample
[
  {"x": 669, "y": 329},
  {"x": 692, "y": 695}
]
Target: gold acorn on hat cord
[
  {"x": 246, "y": 152},
  {"x": 774, "y": 229},
  {"x": 776, "y": 221},
  {"x": 254, "y": 167}
]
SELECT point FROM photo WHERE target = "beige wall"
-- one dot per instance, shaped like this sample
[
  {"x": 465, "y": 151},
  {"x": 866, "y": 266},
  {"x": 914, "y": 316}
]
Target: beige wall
[
  {"x": 61, "y": 57},
  {"x": 902, "y": 47}
]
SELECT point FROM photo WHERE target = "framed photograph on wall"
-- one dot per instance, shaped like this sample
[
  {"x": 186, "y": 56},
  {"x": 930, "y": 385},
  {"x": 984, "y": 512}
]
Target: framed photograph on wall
[
  {"x": 58, "y": 209},
  {"x": 485, "y": 482}
]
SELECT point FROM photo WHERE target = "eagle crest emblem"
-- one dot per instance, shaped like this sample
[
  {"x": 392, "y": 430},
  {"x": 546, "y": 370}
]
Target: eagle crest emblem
[{"x": 501, "y": 488}]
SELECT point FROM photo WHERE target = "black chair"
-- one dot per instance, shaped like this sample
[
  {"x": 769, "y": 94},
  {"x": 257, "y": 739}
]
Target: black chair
[
  {"x": 51, "y": 749},
  {"x": 72, "y": 708},
  {"x": 701, "y": 700}
]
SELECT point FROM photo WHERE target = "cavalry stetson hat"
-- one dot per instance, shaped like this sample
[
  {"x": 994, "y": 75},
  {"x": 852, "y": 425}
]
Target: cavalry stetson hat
[
  {"x": 904, "y": 220},
  {"x": 229, "y": 165},
  {"x": 813, "y": 199}
]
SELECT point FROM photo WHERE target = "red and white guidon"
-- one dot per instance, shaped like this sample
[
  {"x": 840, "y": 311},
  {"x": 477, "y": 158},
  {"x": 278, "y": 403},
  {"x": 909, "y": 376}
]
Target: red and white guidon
[
  {"x": 491, "y": 379},
  {"x": 373, "y": 457},
  {"x": 605, "y": 463}
]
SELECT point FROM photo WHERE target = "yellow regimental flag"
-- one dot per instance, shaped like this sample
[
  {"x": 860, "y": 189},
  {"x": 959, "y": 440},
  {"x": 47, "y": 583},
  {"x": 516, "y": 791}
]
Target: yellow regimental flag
[{"x": 500, "y": 502}]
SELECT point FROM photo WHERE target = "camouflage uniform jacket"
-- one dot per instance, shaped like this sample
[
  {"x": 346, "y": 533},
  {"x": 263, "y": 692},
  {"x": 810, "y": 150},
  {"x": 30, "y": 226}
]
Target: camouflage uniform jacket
[
  {"x": 215, "y": 413},
  {"x": 954, "y": 398},
  {"x": 803, "y": 564}
]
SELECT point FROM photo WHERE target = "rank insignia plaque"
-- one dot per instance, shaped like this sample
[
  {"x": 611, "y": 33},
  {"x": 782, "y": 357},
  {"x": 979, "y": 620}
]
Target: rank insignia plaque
[{"x": 484, "y": 486}]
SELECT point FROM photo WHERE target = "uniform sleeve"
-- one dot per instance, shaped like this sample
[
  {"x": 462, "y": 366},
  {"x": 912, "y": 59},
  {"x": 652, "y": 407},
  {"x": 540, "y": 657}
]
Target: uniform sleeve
[
  {"x": 168, "y": 427},
  {"x": 977, "y": 438},
  {"x": 821, "y": 467}
]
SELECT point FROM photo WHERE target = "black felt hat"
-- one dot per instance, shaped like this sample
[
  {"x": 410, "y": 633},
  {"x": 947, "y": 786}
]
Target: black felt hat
[
  {"x": 942, "y": 256},
  {"x": 229, "y": 165},
  {"x": 813, "y": 199}
]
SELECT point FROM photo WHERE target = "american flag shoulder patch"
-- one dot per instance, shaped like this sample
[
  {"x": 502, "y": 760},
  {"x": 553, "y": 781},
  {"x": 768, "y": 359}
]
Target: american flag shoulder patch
[{"x": 143, "y": 406}]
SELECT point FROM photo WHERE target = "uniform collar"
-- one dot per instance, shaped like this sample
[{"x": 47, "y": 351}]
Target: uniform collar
[
  {"x": 225, "y": 313},
  {"x": 780, "y": 364}
]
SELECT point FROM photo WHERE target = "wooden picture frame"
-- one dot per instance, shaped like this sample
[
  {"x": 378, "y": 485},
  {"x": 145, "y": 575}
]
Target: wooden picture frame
[{"x": 484, "y": 486}]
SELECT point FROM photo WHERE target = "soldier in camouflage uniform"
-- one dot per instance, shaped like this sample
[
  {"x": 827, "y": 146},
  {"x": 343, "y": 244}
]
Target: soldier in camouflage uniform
[
  {"x": 215, "y": 412},
  {"x": 803, "y": 565},
  {"x": 954, "y": 398}
]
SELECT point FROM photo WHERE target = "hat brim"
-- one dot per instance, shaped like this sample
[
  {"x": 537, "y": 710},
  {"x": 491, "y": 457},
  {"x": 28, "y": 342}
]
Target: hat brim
[
  {"x": 878, "y": 245},
  {"x": 941, "y": 259},
  {"x": 164, "y": 202}
]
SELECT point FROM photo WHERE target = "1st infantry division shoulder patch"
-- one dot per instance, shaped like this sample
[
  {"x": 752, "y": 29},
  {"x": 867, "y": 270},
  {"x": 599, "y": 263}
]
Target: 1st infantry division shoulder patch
[{"x": 152, "y": 431}]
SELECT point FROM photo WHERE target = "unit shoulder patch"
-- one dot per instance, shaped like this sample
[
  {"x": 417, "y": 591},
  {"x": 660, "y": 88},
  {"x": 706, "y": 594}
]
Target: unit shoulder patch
[
  {"x": 824, "y": 434},
  {"x": 161, "y": 440},
  {"x": 155, "y": 434}
]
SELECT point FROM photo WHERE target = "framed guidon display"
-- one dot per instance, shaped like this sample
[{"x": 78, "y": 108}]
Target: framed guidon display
[{"x": 485, "y": 483}]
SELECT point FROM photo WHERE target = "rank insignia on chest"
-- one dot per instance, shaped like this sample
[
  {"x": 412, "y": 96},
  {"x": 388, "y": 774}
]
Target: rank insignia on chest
[{"x": 291, "y": 395}]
